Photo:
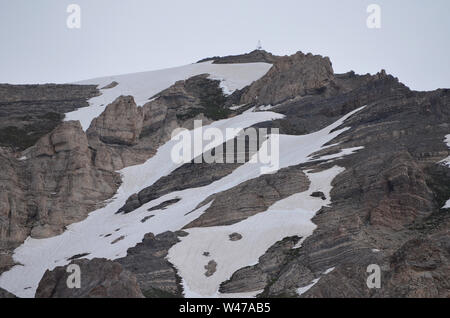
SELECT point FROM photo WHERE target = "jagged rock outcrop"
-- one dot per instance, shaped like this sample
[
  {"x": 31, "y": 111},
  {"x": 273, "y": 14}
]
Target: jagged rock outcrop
[
  {"x": 100, "y": 278},
  {"x": 291, "y": 76},
  {"x": 120, "y": 123},
  {"x": 147, "y": 260},
  {"x": 53, "y": 185}
]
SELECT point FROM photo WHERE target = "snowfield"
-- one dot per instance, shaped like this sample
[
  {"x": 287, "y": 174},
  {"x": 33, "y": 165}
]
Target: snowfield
[{"x": 143, "y": 86}]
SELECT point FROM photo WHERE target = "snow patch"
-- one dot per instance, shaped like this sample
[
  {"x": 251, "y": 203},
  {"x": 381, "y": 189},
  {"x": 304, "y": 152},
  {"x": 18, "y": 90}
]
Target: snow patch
[{"x": 237, "y": 107}]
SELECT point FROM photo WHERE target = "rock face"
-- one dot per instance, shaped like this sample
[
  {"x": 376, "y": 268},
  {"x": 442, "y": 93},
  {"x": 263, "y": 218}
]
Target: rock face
[
  {"x": 120, "y": 123},
  {"x": 257, "y": 277},
  {"x": 99, "y": 278},
  {"x": 293, "y": 76},
  {"x": 224, "y": 211},
  {"x": 57, "y": 184}
]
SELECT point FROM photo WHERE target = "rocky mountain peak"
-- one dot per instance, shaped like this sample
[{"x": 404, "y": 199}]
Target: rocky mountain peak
[{"x": 291, "y": 76}]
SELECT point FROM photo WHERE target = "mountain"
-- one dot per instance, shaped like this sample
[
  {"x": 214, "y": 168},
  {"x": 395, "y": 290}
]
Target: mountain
[{"x": 361, "y": 180}]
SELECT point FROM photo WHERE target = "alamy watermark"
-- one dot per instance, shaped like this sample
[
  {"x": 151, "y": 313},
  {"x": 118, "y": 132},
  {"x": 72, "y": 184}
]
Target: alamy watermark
[
  {"x": 374, "y": 279},
  {"x": 74, "y": 19},
  {"x": 74, "y": 279},
  {"x": 374, "y": 19},
  {"x": 236, "y": 145}
]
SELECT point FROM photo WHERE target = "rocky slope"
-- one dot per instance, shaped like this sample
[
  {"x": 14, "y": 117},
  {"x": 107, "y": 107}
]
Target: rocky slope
[
  {"x": 386, "y": 207},
  {"x": 100, "y": 279}
]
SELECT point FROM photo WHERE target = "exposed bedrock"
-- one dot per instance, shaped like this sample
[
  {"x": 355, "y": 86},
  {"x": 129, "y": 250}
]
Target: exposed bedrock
[
  {"x": 99, "y": 278},
  {"x": 291, "y": 76},
  {"x": 257, "y": 277},
  {"x": 147, "y": 261},
  {"x": 120, "y": 123},
  {"x": 255, "y": 196}
]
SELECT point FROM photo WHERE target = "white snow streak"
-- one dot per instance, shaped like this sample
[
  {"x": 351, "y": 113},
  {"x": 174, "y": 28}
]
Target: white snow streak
[{"x": 302, "y": 290}]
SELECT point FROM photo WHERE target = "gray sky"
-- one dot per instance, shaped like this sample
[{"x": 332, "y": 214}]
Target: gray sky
[{"x": 125, "y": 36}]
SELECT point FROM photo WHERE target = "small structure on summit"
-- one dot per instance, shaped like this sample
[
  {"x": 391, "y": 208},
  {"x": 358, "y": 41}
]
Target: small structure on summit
[{"x": 259, "y": 46}]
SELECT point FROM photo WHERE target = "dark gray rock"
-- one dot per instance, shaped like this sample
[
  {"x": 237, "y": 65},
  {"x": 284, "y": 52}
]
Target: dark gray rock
[
  {"x": 147, "y": 260},
  {"x": 235, "y": 237},
  {"x": 252, "y": 57},
  {"x": 257, "y": 277},
  {"x": 28, "y": 112},
  {"x": 211, "y": 268}
]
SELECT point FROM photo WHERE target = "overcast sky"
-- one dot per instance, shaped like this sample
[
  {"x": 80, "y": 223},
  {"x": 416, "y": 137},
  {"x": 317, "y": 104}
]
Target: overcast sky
[{"x": 125, "y": 36}]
